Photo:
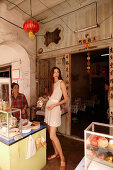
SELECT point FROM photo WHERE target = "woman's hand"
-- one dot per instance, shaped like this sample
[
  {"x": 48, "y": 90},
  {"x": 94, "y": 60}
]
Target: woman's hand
[
  {"x": 43, "y": 99},
  {"x": 51, "y": 107}
]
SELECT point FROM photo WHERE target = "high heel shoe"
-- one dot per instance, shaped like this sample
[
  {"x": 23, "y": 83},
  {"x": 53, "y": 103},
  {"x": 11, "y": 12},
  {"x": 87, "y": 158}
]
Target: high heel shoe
[
  {"x": 63, "y": 165},
  {"x": 53, "y": 156}
]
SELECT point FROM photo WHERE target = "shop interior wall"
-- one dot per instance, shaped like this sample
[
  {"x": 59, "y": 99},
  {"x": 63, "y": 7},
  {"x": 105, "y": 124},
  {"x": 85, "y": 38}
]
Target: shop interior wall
[{"x": 10, "y": 34}]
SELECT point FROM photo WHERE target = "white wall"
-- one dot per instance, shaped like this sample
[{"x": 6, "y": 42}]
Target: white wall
[
  {"x": 18, "y": 50},
  {"x": 77, "y": 20}
]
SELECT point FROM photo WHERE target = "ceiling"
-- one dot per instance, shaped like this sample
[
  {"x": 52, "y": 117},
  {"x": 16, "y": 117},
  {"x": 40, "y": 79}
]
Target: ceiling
[{"x": 44, "y": 11}]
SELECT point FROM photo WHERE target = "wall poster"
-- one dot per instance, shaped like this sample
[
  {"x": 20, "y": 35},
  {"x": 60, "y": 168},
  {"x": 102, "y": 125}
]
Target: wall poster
[{"x": 15, "y": 74}]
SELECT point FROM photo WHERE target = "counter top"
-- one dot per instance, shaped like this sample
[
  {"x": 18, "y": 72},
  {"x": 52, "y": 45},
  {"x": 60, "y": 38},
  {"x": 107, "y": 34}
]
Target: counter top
[{"x": 24, "y": 135}]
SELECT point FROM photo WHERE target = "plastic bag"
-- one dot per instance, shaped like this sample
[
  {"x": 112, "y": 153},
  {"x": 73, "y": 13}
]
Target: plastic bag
[
  {"x": 43, "y": 141},
  {"x": 31, "y": 148},
  {"x": 38, "y": 143}
]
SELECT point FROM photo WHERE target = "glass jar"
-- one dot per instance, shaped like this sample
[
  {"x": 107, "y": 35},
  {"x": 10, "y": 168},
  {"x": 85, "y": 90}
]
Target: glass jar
[
  {"x": 6, "y": 106},
  {"x": 1, "y": 104},
  {"x": 13, "y": 121},
  {"x": 39, "y": 104}
]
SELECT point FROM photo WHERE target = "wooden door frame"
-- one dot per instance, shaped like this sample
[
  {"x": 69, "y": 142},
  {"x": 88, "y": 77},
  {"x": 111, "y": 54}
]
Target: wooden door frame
[
  {"x": 110, "y": 84},
  {"x": 68, "y": 87}
]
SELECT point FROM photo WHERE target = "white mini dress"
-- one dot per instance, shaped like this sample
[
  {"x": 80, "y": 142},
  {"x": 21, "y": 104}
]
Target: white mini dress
[{"x": 53, "y": 117}]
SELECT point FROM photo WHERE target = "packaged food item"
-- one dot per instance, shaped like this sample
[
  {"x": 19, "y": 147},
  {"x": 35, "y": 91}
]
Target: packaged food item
[
  {"x": 13, "y": 132},
  {"x": 1, "y": 104},
  {"x": 111, "y": 144},
  {"x": 35, "y": 125},
  {"x": 38, "y": 143},
  {"x": 93, "y": 154},
  {"x": 26, "y": 123},
  {"x": 109, "y": 159},
  {"x": 101, "y": 156},
  {"x": 43, "y": 141},
  {"x": 26, "y": 130},
  {"x": 103, "y": 142},
  {"x": 13, "y": 121},
  {"x": 26, "y": 127},
  {"x": 39, "y": 104},
  {"x": 6, "y": 106},
  {"x": 94, "y": 140}
]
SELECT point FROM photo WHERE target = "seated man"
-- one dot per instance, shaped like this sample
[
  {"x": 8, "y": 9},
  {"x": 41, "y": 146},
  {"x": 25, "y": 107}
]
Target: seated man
[{"x": 18, "y": 100}]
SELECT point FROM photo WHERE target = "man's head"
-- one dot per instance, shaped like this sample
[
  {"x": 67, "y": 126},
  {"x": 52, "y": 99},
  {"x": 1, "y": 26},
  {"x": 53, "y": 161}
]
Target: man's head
[{"x": 15, "y": 88}]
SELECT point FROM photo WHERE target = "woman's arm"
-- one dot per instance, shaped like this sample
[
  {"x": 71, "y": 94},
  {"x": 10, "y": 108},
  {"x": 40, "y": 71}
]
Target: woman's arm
[{"x": 64, "y": 92}]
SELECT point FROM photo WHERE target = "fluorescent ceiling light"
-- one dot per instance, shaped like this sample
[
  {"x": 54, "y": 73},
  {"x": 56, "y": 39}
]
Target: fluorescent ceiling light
[
  {"x": 87, "y": 28},
  {"x": 104, "y": 54}
]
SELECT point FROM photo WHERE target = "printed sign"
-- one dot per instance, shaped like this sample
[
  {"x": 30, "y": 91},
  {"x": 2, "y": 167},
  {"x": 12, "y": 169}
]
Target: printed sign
[{"x": 15, "y": 74}]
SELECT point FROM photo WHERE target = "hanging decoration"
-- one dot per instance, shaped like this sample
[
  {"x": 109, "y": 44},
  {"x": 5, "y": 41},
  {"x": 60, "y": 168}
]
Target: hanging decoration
[
  {"x": 88, "y": 62},
  {"x": 40, "y": 50},
  {"x": 31, "y": 27}
]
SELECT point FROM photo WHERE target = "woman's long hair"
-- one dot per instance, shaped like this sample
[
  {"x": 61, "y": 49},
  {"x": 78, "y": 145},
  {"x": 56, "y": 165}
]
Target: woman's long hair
[{"x": 51, "y": 79}]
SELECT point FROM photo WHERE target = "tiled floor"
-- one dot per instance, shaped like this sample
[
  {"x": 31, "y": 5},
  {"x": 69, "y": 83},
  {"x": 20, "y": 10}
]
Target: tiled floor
[{"x": 73, "y": 151}]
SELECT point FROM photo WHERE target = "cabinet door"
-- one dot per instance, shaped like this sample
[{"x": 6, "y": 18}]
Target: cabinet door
[
  {"x": 5, "y": 89},
  {"x": 43, "y": 76}
]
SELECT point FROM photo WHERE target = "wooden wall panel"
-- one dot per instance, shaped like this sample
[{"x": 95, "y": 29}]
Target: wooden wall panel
[
  {"x": 111, "y": 83},
  {"x": 68, "y": 87},
  {"x": 43, "y": 76}
]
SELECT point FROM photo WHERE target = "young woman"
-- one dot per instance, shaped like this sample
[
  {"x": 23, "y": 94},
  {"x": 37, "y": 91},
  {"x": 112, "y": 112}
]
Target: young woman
[{"x": 57, "y": 88}]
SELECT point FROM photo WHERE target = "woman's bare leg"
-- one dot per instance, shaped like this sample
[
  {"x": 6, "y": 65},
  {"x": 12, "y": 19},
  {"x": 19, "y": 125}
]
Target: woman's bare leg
[
  {"x": 55, "y": 149},
  {"x": 56, "y": 142}
]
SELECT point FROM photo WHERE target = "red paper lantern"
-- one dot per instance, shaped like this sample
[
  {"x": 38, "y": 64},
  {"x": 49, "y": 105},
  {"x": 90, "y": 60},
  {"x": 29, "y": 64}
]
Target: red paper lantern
[
  {"x": 103, "y": 72},
  {"x": 88, "y": 71},
  {"x": 31, "y": 27},
  {"x": 88, "y": 62}
]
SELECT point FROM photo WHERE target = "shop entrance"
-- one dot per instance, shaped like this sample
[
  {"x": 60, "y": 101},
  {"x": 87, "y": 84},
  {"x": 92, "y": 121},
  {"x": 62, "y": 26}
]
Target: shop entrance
[{"x": 89, "y": 98}]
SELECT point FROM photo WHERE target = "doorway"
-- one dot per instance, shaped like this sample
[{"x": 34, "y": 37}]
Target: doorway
[
  {"x": 5, "y": 71},
  {"x": 88, "y": 89}
]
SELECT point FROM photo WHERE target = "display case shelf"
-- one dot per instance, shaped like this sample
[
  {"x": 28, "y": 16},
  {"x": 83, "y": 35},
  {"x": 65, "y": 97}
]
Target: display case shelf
[
  {"x": 9, "y": 125},
  {"x": 98, "y": 146}
]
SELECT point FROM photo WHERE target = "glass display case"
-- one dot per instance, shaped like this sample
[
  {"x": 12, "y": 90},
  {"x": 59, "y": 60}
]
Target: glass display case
[
  {"x": 9, "y": 125},
  {"x": 5, "y": 90},
  {"x": 98, "y": 146}
]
